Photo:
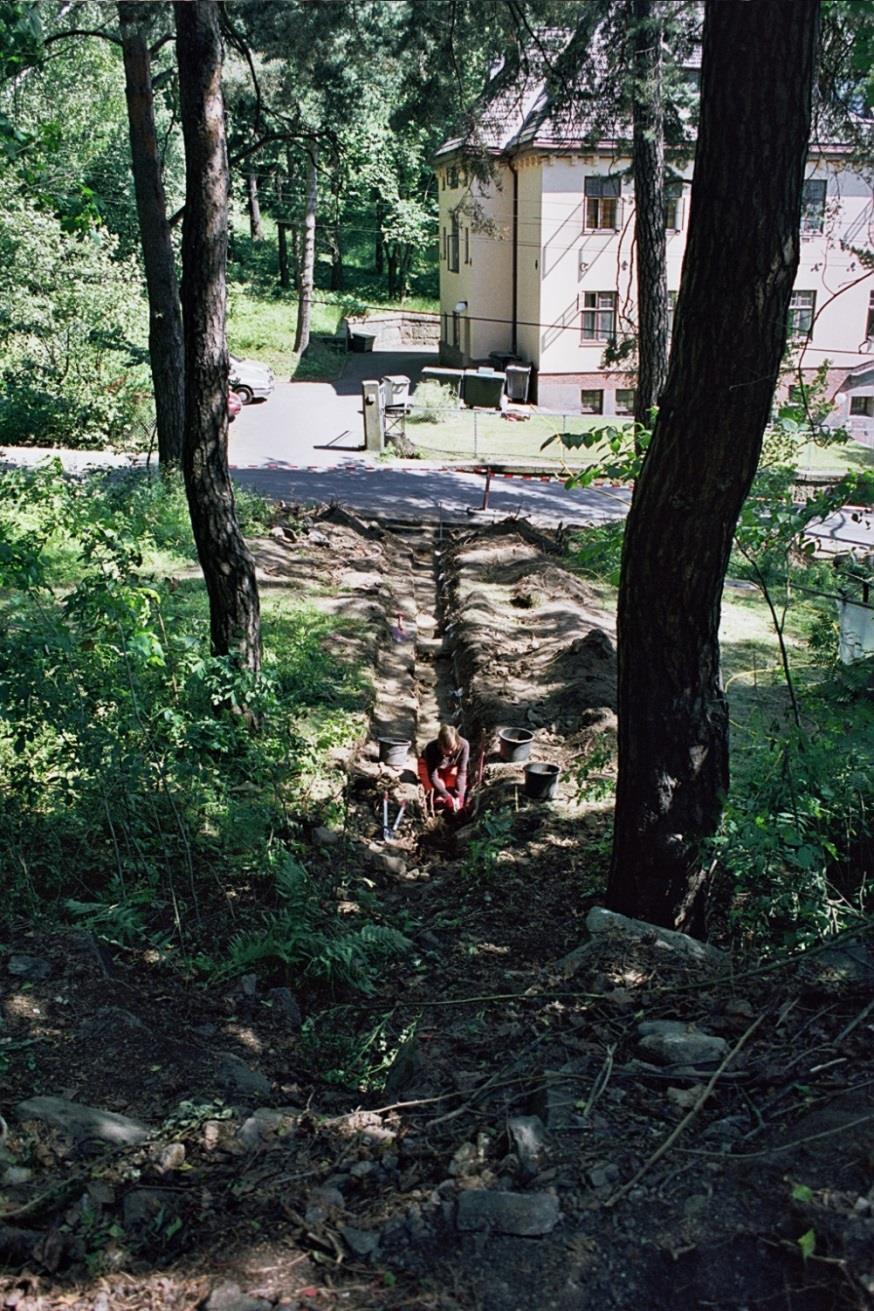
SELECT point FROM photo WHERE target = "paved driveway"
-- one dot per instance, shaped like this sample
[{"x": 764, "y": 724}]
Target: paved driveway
[{"x": 316, "y": 423}]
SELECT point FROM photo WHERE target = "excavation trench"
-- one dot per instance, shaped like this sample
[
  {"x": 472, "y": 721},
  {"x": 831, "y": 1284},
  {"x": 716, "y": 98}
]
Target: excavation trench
[{"x": 487, "y": 630}]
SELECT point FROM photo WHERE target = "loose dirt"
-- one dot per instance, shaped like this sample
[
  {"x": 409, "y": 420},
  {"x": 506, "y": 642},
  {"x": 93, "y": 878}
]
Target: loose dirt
[{"x": 308, "y": 1151}]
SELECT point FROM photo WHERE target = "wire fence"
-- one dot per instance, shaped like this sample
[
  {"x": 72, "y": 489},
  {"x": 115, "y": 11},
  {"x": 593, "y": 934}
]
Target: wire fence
[{"x": 495, "y": 437}]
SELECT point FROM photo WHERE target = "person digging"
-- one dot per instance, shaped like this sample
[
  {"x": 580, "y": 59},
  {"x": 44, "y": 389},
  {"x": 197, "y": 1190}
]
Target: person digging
[{"x": 443, "y": 770}]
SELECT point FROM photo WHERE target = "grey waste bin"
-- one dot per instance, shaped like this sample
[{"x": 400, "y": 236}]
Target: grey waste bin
[
  {"x": 397, "y": 389},
  {"x": 483, "y": 387},
  {"x": 518, "y": 381},
  {"x": 500, "y": 359}
]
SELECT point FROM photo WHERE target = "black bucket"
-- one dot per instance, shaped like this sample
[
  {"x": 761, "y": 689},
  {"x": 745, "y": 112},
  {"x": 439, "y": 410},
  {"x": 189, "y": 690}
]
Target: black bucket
[
  {"x": 393, "y": 751},
  {"x": 514, "y": 744},
  {"x": 541, "y": 781}
]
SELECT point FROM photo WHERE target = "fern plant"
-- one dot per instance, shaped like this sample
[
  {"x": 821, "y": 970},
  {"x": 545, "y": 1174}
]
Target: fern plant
[{"x": 308, "y": 939}]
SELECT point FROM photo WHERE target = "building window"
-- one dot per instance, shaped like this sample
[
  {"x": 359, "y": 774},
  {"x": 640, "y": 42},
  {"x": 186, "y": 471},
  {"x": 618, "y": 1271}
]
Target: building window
[
  {"x": 602, "y": 204},
  {"x": 452, "y": 178},
  {"x": 625, "y": 398},
  {"x": 801, "y": 309},
  {"x": 591, "y": 402},
  {"x": 813, "y": 205},
  {"x": 672, "y": 309},
  {"x": 598, "y": 316},
  {"x": 454, "y": 244},
  {"x": 467, "y": 258},
  {"x": 674, "y": 205},
  {"x": 863, "y": 405},
  {"x": 869, "y": 330}
]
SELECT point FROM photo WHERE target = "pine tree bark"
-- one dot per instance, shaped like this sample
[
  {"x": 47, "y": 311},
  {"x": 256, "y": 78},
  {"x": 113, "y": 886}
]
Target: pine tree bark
[
  {"x": 228, "y": 567},
  {"x": 253, "y": 205},
  {"x": 730, "y": 332},
  {"x": 306, "y": 280},
  {"x": 166, "y": 350},
  {"x": 648, "y": 165}
]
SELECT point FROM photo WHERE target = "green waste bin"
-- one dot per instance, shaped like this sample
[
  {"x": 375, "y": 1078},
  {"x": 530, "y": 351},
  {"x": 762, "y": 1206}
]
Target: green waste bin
[{"x": 483, "y": 388}]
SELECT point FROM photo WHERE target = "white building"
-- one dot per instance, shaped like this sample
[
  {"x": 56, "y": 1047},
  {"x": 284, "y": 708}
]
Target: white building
[{"x": 538, "y": 260}]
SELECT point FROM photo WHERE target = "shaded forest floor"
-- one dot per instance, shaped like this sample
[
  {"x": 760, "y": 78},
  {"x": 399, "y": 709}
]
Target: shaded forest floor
[{"x": 494, "y": 1124}]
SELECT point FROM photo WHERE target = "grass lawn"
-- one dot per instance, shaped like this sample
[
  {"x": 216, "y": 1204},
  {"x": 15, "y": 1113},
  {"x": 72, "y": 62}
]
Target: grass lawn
[
  {"x": 487, "y": 435},
  {"x": 262, "y": 315},
  {"x": 850, "y": 458}
]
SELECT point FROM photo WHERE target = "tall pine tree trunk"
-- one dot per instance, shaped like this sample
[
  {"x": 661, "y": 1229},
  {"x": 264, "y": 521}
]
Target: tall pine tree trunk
[
  {"x": 227, "y": 564},
  {"x": 166, "y": 350},
  {"x": 253, "y": 205},
  {"x": 648, "y": 159},
  {"x": 306, "y": 280},
  {"x": 730, "y": 331}
]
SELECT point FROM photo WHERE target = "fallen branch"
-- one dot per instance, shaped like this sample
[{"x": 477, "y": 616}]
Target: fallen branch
[{"x": 687, "y": 1119}]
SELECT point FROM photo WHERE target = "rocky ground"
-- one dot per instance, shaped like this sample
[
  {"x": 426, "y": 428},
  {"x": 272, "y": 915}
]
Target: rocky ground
[{"x": 540, "y": 1105}]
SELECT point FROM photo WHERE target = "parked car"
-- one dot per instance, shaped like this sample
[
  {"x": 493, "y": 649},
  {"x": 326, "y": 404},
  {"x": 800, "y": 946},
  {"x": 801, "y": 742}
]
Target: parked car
[
  {"x": 234, "y": 406},
  {"x": 249, "y": 379}
]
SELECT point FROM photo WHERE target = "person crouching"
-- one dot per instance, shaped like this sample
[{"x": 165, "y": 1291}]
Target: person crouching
[{"x": 443, "y": 769}]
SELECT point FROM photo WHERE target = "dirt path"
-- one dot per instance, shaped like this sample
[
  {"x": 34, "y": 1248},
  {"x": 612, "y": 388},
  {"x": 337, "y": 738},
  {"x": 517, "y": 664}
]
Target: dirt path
[{"x": 494, "y": 1127}]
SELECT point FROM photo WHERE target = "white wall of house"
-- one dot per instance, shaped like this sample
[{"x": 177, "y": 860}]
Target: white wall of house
[
  {"x": 576, "y": 276},
  {"x": 529, "y": 311},
  {"x": 483, "y": 278}
]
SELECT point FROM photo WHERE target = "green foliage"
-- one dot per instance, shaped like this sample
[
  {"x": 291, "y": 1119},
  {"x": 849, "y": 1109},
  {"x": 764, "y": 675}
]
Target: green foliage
[
  {"x": 797, "y": 837},
  {"x": 72, "y": 334},
  {"x": 484, "y": 851},
  {"x": 596, "y": 774},
  {"x": 350, "y": 1055},
  {"x": 597, "y": 552},
  {"x": 621, "y": 450},
  {"x": 128, "y": 795},
  {"x": 305, "y": 938},
  {"x": 432, "y": 401}
]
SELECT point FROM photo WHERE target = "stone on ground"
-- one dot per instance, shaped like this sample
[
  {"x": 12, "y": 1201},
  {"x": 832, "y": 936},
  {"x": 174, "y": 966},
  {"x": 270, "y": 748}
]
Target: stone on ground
[
  {"x": 522, "y": 1214},
  {"x": 84, "y": 1122}
]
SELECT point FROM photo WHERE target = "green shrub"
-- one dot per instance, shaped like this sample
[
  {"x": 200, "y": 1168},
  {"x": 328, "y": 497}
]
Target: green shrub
[
  {"x": 127, "y": 794},
  {"x": 797, "y": 836},
  {"x": 431, "y": 402},
  {"x": 73, "y": 363}
]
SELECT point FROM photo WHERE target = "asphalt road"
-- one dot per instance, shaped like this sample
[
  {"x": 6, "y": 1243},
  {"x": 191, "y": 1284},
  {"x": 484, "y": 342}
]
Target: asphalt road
[
  {"x": 431, "y": 495},
  {"x": 304, "y": 444}
]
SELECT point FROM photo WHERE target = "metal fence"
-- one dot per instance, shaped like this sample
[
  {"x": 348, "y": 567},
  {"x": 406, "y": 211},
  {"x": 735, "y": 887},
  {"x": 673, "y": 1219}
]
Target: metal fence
[{"x": 495, "y": 437}]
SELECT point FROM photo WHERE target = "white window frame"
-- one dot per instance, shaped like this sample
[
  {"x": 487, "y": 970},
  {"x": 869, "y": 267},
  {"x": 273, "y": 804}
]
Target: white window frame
[
  {"x": 800, "y": 310},
  {"x": 602, "y": 201},
  {"x": 869, "y": 325},
  {"x": 813, "y": 211},
  {"x": 629, "y": 391},
  {"x": 674, "y": 205},
  {"x": 597, "y": 312}
]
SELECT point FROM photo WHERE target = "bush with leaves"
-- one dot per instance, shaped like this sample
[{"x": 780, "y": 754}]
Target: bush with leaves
[
  {"x": 797, "y": 838},
  {"x": 73, "y": 327},
  {"x": 126, "y": 789}
]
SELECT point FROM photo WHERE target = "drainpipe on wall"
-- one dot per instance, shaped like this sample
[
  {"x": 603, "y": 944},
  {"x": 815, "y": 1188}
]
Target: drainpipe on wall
[{"x": 514, "y": 337}]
